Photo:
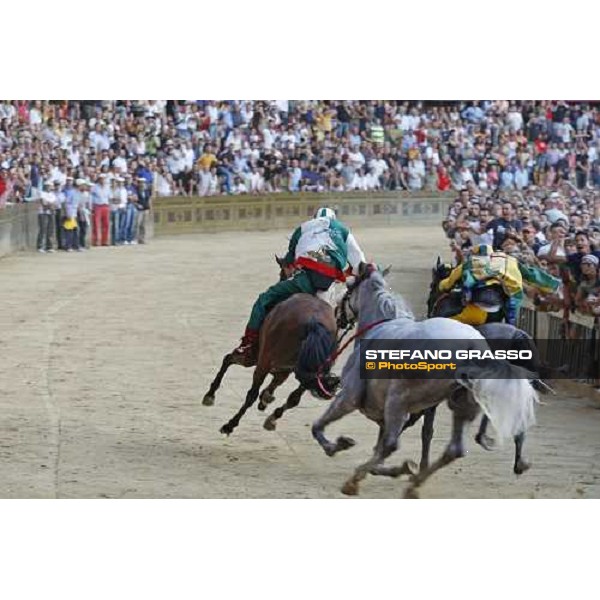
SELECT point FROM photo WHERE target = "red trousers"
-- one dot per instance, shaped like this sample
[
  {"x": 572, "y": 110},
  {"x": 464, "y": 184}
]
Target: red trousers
[{"x": 101, "y": 223}]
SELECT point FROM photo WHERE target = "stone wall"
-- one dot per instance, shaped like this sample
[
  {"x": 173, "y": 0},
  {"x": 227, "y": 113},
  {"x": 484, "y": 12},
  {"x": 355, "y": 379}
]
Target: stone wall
[
  {"x": 18, "y": 223},
  {"x": 221, "y": 213}
]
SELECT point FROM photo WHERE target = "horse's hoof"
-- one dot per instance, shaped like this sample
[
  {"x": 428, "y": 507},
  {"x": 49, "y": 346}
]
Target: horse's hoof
[
  {"x": 344, "y": 443},
  {"x": 520, "y": 467},
  {"x": 265, "y": 399},
  {"x": 226, "y": 429},
  {"x": 411, "y": 493},
  {"x": 350, "y": 488},
  {"x": 208, "y": 400},
  {"x": 485, "y": 441},
  {"x": 269, "y": 424},
  {"x": 409, "y": 467}
]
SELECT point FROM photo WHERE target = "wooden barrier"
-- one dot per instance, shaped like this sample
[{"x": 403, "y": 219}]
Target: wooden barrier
[{"x": 221, "y": 213}]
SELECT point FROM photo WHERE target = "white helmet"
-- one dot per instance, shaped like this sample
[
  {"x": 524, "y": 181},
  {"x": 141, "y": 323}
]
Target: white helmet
[{"x": 325, "y": 212}]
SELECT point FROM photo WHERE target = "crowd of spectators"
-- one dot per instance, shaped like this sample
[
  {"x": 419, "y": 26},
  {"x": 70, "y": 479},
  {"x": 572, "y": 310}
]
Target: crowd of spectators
[
  {"x": 556, "y": 229},
  {"x": 254, "y": 147},
  {"x": 530, "y": 167}
]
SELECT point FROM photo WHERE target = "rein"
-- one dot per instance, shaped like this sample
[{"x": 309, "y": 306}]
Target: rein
[{"x": 340, "y": 349}]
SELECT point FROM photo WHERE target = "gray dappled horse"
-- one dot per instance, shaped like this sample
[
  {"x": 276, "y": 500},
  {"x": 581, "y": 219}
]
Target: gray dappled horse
[{"x": 509, "y": 402}]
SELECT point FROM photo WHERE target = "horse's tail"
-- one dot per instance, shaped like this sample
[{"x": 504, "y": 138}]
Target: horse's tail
[
  {"x": 317, "y": 346},
  {"x": 508, "y": 402}
]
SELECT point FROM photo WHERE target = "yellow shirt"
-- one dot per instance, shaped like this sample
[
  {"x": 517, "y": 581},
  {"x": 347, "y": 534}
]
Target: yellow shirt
[
  {"x": 324, "y": 121},
  {"x": 207, "y": 160}
]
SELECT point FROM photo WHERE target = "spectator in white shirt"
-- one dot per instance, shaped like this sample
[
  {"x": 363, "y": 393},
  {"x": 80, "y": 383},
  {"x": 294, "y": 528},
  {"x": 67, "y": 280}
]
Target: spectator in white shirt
[
  {"x": 356, "y": 158},
  {"x": 46, "y": 225},
  {"x": 120, "y": 162},
  {"x": 239, "y": 187}
]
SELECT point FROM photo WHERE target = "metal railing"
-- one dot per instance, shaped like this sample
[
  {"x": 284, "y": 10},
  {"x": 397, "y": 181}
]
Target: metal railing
[{"x": 570, "y": 341}]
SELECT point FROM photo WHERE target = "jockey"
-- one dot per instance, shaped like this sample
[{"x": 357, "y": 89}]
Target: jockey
[
  {"x": 492, "y": 287},
  {"x": 319, "y": 250}
]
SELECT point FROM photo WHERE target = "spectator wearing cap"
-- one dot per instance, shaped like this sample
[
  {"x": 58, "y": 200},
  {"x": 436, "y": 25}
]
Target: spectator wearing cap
[
  {"x": 143, "y": 205},
  {"x": 46, "y": 208},
  {"x": 100, "y": 211},
  {"x": 587, "y": 297},
  {"x": 583, "y": 249}
]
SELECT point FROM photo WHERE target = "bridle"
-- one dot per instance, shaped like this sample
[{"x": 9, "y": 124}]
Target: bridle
[
  {"x": 344, "y": 321},
  {"x": 347, "y": 324}
]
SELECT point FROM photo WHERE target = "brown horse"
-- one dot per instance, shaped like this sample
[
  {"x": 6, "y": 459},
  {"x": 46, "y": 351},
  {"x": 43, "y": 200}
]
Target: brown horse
[{"x": 297, "y": 336}]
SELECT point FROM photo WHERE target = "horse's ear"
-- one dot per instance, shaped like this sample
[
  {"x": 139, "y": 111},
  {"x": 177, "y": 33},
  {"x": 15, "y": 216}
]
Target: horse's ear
[
  {"x": 362, "y": 269},
  {"x": 387, "y": 270},
  {"x": 279, "y": 261},
  {"x": 438, "y": 263}
]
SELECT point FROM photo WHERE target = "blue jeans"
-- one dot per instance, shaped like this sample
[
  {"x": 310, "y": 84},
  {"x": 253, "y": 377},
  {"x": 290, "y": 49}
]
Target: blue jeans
[
  {"x": 128, "y": 234},
  {"x": 117, "y": 218},
  {"x": 223, "y": 172},
  {"x": 342, "y": 129}
]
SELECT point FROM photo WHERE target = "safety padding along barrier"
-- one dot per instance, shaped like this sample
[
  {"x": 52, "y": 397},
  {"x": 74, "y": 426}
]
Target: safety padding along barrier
[
  {"x": 220, "y": 213},
  {"x": 18, "y": 228},
  {"x": 581, "y": 354}
]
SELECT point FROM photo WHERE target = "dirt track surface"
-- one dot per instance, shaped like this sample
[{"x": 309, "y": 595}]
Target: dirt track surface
[{"x": 106, "y": 356}]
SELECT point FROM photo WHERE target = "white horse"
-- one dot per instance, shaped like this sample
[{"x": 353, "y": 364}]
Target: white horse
[{"x": 508, "y": 402}]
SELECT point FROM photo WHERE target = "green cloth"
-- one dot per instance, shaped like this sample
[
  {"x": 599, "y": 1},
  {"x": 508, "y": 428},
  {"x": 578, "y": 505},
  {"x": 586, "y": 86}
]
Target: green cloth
[
  {"x": 299, "y": 283},
  {"x": 539, "y": 279}
]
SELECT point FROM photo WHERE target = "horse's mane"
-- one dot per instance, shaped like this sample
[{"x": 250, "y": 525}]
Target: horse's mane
[{"x": 386, "y": 304}]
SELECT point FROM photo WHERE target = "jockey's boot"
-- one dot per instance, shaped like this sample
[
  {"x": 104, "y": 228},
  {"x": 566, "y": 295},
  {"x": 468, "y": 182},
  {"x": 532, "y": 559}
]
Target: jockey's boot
[{"x": 246, "y": 354}]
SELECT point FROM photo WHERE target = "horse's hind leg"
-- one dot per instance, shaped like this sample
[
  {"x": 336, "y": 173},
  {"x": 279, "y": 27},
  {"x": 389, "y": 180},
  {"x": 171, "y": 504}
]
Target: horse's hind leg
[
  {"x": 209, "y": 397},
  {"x": 251, "y": 396},
  {"x": 343, "y": 404},
  {"x": 484, "y": 440},
  {"x": 454, "y": 450},
  {"x": 266, "y": 396},
  {"x": 521, "y": 465},
  {"x": 292, "y": 401},
  {"x": 426, "y": 437}
]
